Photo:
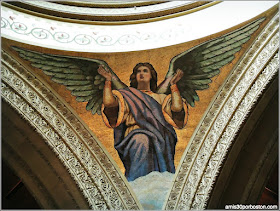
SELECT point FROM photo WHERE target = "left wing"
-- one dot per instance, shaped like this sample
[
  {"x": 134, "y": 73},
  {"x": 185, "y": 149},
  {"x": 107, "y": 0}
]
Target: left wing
[
  {"x": 204, "y": 61},
  {"x": 79, "y": 75}
]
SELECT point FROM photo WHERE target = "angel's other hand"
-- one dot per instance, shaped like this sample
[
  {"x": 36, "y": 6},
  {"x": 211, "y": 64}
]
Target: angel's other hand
[
  {"x": 106, "y": 74},
  {"x": 178, "y": 75}
]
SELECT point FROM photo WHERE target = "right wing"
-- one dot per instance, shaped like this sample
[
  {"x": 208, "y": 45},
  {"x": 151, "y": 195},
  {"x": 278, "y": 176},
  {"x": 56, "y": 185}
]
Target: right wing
[
  {"x": 204, "y": 61},
  {"x": 78, "y": 74}
]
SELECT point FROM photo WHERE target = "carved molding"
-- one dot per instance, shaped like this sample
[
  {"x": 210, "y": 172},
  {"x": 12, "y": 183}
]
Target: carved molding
[
  {"x": 210, "y": 142},
  {"x": 95, "y": 173},
  {"x": 89, "y": 37},
  {"x": 50, "y": 184}
]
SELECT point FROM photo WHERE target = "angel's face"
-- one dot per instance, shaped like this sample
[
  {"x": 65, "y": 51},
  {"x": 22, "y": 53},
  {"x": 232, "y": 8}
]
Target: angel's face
[{"x": 143, "y": 74}]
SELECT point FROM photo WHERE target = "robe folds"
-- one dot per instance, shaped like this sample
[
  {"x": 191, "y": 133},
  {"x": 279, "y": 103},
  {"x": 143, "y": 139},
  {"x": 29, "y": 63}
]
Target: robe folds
[{"x": 149, "y": 147}]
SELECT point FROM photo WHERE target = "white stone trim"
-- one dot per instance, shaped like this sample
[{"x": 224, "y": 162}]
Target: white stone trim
[
  {"x": 208, "y": 146},
  {"x": 92, "y": 168},
  {"x": 59, "y": 35},
  {"x": 108, "y": 11}
]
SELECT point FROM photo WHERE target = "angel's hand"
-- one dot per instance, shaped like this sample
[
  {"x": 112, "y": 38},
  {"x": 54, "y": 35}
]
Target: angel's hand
[
  {"x": 178, "y": 75},
  {"x": 104, "y": 72}
]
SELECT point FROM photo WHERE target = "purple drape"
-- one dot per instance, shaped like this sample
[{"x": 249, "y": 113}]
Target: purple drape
[{"x": 152, "y": 146}]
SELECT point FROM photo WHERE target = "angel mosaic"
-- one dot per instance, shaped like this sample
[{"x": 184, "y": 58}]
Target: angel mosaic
[{"x": 144, "y": 114}]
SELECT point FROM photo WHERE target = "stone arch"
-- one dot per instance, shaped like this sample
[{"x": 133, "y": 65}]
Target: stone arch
[
  {"x": 96, "y": 175},
  {"x": 252, "y": 156},
  {"x": 25, "y": 151},
  {"x": 209, "y": 145}
]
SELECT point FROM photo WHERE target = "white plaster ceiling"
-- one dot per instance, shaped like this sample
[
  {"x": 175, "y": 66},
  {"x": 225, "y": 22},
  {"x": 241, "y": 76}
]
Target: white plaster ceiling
[
  {"x": 91, "y": 37},
  {"x": 109, "y": 11}
]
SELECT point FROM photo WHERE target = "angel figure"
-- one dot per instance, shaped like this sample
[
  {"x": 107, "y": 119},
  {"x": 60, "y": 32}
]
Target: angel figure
[
  {"x": 144, "y": 115},
  {"x": 143, "y": 120}
]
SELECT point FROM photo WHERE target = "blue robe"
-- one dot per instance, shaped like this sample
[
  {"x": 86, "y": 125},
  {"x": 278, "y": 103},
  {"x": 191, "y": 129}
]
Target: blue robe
[{"x": 152, "y": 146}]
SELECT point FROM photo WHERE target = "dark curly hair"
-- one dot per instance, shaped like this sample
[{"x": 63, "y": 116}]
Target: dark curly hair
[{"x": 153, "y": 81}]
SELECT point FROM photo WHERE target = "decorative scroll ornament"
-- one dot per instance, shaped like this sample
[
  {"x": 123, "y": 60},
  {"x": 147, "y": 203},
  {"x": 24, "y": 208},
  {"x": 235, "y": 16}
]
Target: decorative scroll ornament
[
  {"x": 208, "y": 147},
  {"x": 97, "y": 176},
  {"x": 95, "y": 38}
]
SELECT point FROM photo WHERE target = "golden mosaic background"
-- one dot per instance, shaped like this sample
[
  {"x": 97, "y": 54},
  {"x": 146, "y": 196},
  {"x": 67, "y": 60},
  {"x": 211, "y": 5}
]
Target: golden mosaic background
[{"x": 122, "y": 64}]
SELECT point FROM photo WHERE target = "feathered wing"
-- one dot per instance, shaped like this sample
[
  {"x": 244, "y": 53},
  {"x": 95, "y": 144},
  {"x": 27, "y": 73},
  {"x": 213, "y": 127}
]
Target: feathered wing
[
  {"x": 204, "y": 61},
  {"x": 79, "y": 75}
]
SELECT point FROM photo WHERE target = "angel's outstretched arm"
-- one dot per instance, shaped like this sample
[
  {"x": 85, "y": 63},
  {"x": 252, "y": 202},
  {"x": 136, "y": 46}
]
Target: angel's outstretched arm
[
  {"x": 108, "y": 98},
  {"x": 109, "y": 101},
  {"x": 176, "y": 99},
  {"x": 177, "y": 110}
]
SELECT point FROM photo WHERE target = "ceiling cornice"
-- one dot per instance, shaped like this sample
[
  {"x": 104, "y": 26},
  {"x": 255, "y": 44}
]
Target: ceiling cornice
[{"x": 109, "y": 16}]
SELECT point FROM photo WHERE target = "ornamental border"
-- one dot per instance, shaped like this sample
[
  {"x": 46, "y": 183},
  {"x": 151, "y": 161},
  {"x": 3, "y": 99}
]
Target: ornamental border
[
  {"x": 203, "y": 157},
  {"x": 232, "y": 128},
  {"x": 80, "y": 39},
  {"x": 89, "y": 164}
]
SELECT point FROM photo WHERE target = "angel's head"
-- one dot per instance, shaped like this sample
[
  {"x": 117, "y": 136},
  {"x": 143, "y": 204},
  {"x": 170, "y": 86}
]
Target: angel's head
[{"x": 144, "y": 72}]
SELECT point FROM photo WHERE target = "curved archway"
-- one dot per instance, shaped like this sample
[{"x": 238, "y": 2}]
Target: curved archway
[
  {"x": 99, "y": 180},
  {"x": 252, "y": 157},
  {"x": 203, "y": 157},
  {"x": 27, "y": 154}
]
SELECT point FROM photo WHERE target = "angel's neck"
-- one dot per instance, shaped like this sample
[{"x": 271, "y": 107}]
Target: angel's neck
[{"x": 144, "y": 86}]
